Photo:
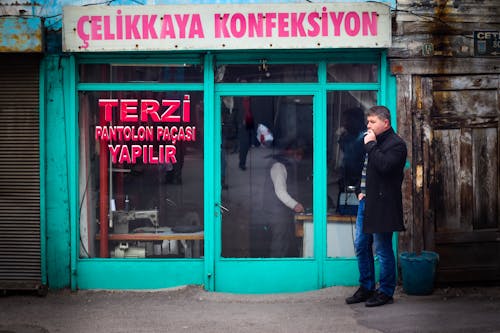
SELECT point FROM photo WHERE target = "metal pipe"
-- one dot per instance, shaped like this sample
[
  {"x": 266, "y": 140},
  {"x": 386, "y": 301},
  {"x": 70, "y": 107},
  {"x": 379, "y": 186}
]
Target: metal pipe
[{"x": 103, "y": 193}]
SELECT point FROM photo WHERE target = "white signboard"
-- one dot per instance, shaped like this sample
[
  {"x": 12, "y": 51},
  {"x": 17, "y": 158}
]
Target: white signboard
[{"x": 226, "y": 27}]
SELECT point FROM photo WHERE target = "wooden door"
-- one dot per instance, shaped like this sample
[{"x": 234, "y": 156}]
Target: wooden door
[{"x": 459, "y": 133}]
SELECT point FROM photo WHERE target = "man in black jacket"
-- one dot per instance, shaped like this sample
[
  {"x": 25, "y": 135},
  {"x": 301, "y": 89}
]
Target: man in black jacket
[{"x": 380, "y": 211}]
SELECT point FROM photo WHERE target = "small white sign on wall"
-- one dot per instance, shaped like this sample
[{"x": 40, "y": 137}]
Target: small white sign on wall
[{"x": 231, "y": 27}]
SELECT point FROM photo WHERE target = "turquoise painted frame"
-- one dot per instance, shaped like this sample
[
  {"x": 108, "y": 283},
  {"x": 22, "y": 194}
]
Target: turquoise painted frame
[
  {"x": 251, "y": 275},
  {"x": 43, "y": 167},
  {"x": 72, "y": 160},
  {"x": 112, "y": 273},
  {"x": 97, "y": 273},
  {"x": 55, "y": 188},
  {"x": 330, "y": 271}
]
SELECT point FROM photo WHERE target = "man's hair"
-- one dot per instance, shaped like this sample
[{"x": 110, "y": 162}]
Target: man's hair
[{"x": 380, "y": 111}]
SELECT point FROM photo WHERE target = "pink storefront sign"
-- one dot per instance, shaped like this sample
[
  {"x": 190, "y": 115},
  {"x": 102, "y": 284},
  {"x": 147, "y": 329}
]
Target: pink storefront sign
[{"x": 213, "y": 27}]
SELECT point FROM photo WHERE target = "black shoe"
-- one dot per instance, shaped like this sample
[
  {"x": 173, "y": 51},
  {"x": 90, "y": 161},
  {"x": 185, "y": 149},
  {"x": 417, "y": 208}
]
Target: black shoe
[
  {"x": 242, "y": 167},
  {"x": 361, "y": 295},
  {"x": 379, "y": 298}
]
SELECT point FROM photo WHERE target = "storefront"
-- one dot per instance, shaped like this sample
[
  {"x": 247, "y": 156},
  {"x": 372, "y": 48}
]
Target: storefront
[{"x": 177, "y": 116}]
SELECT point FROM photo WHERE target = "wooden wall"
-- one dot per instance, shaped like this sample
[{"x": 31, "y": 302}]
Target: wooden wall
[{"x": 448, "y": 107}]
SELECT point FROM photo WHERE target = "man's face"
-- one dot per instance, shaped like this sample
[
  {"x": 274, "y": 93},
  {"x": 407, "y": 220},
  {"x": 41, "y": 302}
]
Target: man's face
[{"x": 377, "y": 125}]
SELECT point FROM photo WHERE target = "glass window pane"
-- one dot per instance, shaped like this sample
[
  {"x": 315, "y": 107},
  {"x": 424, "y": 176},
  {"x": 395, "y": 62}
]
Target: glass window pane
[
  {"x": 346, "y": 124},
  {"x": 122, "y": 73},
  {"x": 352, "y": 73},
  {"x": 141, "y": 174},
  {"x": 267, "y": 73},
  {"x": 265, "y": 178}
]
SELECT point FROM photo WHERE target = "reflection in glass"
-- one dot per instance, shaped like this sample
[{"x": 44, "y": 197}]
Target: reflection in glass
[
  {"x": 346, "y": 125},
  {"x": 141, "y": 179},
  {"x": 264, "y": 179},
  {"x": 122, "y": 73},
  {"x": 352, "y": 73},
  {"x": 267, "y": 73}
]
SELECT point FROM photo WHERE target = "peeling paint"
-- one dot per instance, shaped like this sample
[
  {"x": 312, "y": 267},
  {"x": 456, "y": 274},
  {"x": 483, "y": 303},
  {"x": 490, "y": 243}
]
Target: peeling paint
[
  {"x": 21, "y": 34},
  {"x": 427, "y": 133},
  {"x": 419, "y": 177}
]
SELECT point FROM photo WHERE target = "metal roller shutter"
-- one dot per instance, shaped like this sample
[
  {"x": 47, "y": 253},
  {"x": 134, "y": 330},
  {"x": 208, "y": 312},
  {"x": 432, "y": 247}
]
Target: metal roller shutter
[{"x": 20, "y": 255}]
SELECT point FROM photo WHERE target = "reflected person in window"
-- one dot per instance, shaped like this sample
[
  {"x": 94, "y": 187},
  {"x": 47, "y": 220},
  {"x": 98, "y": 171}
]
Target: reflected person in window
[
  {"x": 280, "y": 194},
  {"x": 352, "y": 146}
]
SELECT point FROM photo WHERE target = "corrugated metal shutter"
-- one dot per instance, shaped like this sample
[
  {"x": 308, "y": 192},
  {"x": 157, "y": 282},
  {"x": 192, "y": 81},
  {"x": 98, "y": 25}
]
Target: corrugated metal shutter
[{"x": 20, "y": 255}]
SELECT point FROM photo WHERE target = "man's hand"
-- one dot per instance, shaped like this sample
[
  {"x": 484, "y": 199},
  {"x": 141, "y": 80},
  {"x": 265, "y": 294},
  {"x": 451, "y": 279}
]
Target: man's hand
[
  {"x": 370, "y": 136},
  {"x": 361, "y": 196},
  {"x": 298, "y": 208}
]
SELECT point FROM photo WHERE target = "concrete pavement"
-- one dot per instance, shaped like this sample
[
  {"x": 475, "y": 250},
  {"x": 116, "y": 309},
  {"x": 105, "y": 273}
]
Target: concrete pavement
[{"x": 191, "y": 309}]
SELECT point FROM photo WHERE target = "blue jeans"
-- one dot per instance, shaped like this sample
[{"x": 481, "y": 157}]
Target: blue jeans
[{"x": 364, "y": 253}]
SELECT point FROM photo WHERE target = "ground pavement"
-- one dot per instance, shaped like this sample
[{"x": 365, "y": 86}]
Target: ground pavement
[{"x": 191, "y": 309}]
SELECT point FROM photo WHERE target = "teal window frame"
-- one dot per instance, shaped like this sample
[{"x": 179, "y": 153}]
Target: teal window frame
[
  {"x": 328, "y": 267},
  {"x": 109, "y": 273}
]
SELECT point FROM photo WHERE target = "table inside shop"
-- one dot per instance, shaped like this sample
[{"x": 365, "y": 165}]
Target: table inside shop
[
  {"x": 190, "y": 241},
  {"x": 340, "y": 234}
]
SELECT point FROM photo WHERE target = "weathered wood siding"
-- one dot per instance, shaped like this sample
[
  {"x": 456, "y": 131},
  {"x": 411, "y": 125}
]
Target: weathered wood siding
[
  {"x": 448, "y": 108},
  {"x": 447, "y": 25}
]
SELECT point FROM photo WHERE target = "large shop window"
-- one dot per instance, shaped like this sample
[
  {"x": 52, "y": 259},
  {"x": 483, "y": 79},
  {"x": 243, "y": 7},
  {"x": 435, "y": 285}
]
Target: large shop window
[
  {"x": 266, "y": 159},
  {"x": 345, "y": 148},
  {"x": 267, "y": 73},
  {"x": 141, "y": 172},
  {"x": 132, "y": 73},
  {"x": 341, "y": 72}
]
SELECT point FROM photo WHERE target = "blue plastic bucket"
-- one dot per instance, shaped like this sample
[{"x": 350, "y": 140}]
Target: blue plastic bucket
[{"x": 418, "y": 272}]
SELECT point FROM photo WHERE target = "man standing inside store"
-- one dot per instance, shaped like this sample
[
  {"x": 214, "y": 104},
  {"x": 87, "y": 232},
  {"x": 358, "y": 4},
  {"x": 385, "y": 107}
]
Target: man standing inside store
[{"x": 380, "y": 210}]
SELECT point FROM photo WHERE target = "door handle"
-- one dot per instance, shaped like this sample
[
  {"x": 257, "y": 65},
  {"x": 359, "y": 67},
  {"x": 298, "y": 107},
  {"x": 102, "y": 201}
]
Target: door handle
[{"x": 222, "y": 207}]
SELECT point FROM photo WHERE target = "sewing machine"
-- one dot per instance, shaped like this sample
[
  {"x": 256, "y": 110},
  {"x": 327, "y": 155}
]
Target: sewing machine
[{"x": 121, "y": 219}]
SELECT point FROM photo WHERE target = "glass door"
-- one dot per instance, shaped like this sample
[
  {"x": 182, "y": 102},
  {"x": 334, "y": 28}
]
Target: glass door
[
  {"x": 277, "y": 125},
  {"x": 266, "y": 186}
]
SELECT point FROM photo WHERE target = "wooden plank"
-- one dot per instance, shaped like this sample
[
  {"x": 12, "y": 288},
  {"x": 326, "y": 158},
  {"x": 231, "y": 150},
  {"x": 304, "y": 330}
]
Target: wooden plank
[
  {"x": 446, "y": 186},
  {"x": 471, "y": 122},
  {"x": 485, "y": 177},
  {"x": 465, "y": 179},
  {"x": 468, "y": 262},
  {"x": 448, "y": 11},
  {"x": 462, "y": 82},
  {"x": 476, "y": 236},
  {"x": 331, "y": 218},
  {"x": 467, "y": 274},
  {"x": 423, "y": 27},
  {"x": 429, "y": 224},
  {"x": 447, "y": 66},
  {"x": 301, "y": 218},
  {"x": 405, "y": 4},
  {"x": 447, "y": 45},
  {"x": 467, "y": 254},
  {"x": 154, "y": 237},
  {"x": 406, "y": 131},
  {"x": 413, "y": 3},
  {"x": 465, "y": 103},
  {"x": 458, "y": 17}
]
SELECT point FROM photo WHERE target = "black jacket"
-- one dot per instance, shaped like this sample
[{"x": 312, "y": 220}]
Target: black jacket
[{"x": 384, "y": 177}]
